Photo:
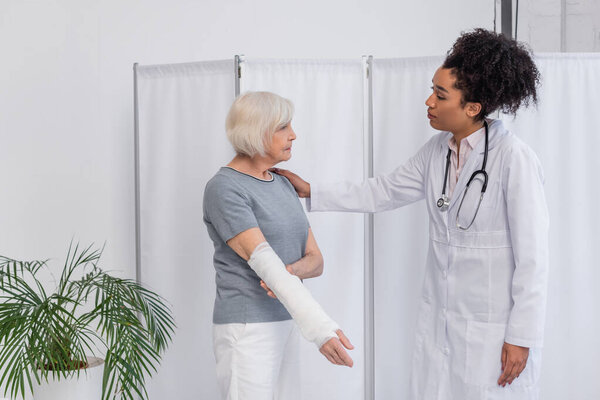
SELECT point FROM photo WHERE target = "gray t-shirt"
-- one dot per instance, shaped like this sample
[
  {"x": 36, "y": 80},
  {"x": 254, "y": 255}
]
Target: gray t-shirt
[{"x": 235, "y": 202}]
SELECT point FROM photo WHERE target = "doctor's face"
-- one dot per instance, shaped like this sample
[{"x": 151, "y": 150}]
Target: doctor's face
[
  {"x": 444, "y": 107},
  {"x": 281, "y": 145}
]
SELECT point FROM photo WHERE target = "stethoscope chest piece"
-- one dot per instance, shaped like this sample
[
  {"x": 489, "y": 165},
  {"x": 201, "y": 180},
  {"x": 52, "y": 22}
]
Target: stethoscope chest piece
[{"x": 443, "y": 203}]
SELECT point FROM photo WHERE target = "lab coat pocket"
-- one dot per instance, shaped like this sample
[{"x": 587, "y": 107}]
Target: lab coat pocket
[
  {"x": 492, "y": 196},
  {"x": 483, "y": 364},
  {"x": 490, "y": 215}
]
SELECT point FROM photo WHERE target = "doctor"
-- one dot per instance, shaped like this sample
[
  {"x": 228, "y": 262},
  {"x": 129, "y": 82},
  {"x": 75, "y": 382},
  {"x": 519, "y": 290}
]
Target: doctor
[{"x": 481, "y": 319}]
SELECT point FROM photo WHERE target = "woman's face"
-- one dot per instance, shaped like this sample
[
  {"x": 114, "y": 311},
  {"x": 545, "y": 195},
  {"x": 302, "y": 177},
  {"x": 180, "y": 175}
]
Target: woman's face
[
  {"x": 281, "y": 146},
  {"x": 445, "y": 111}
]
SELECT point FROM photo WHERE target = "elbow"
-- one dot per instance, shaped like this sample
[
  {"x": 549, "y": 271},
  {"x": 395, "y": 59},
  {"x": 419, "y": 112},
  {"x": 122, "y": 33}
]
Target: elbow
[{"x": 319, "y": 269}]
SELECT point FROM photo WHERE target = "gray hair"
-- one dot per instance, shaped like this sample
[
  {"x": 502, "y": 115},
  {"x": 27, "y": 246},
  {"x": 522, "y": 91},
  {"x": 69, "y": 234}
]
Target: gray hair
[{"x": 253, "y": 119}]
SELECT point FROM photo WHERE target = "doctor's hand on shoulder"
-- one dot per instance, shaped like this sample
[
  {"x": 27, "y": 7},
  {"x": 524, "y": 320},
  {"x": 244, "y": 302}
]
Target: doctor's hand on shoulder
[
  {"x": 514, "y": 359},
  {"x": 302, "y": 187}
]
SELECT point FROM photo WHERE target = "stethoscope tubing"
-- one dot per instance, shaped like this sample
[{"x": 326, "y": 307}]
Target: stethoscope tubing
[{"x": 443, "y": 202}]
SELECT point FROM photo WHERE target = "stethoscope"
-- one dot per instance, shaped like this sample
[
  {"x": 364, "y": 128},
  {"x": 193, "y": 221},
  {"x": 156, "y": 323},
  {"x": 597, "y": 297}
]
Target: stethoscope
[{"x": 443, "y": 202}]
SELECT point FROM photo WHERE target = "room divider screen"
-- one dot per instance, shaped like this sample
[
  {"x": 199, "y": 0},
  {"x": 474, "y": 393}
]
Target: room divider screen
[{"x": 355, "y": 118}]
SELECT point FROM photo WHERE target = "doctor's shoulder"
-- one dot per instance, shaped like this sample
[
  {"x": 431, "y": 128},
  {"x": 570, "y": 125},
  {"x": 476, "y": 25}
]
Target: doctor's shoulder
[
  {"x": 438, "y": 141},
  {"x": 518, "y": 154}
]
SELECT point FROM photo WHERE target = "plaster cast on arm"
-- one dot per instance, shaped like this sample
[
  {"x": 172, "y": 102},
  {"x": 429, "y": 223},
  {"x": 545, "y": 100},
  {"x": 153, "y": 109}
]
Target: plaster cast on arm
[{"x": 316, "y": 326}]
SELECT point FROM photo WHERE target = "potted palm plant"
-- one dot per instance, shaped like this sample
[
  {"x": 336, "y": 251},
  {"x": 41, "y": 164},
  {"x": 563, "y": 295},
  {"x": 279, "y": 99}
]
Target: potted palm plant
[{"x": 50, "y": 335}]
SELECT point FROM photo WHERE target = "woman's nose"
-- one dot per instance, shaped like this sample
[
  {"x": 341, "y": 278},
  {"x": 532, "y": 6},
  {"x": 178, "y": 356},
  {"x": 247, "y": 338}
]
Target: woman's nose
[{"x": 429, "y": 102}]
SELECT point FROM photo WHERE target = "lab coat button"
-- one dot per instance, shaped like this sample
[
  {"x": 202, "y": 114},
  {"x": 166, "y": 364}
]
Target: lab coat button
[
  {"x": 446, "y": 351},
  {"x": 444, "y": 274}
]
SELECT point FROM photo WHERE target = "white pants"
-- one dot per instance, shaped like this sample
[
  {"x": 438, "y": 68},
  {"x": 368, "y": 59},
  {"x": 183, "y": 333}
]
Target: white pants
[{"x": 258, "y": 361}]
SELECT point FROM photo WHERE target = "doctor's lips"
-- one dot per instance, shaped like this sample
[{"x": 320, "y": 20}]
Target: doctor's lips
[{"x": 429, "y": 115}]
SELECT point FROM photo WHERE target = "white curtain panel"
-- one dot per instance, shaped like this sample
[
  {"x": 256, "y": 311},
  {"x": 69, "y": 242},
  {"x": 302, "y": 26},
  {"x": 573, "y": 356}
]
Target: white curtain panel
[
  {"x": 563, "y": 131},
  {"x": 400, "y": 128},
  {"x": 328, "y": 98},
  {"x": 182, "y": 144}
]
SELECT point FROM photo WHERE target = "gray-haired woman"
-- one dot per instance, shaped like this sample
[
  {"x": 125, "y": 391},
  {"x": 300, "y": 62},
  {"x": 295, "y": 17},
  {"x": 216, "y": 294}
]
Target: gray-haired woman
[{"x": 262, "y": 238}]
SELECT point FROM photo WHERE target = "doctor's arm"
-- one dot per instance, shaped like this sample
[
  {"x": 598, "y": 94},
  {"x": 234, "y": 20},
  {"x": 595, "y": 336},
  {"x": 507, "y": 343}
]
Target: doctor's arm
[
  {"x": 404, "y": 185},
  {"x": 527, "y": 214},
  {"x": 314, "y": 323}
]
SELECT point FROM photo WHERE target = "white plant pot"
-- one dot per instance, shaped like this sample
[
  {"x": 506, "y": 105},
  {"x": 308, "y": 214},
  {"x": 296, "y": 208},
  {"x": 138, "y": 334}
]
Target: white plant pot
[{"x": 88, "y": 386}]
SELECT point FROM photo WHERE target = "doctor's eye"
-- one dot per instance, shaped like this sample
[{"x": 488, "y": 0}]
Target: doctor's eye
[
  {"x": 437, "y": 95},
  {"x": 283, "y": 127}
]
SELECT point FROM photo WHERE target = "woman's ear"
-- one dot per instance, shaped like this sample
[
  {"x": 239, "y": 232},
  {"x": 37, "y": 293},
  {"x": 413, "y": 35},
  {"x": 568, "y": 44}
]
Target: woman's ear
[{"x": 473, "y": 109}]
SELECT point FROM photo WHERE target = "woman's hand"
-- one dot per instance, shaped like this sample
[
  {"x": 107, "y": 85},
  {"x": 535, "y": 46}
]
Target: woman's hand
[
  {"x": 335, "y": 352},
  {"x": 514, "y": 360},
  {"x": 333, "y": 349},
  {"x": 302, "y": 187}
]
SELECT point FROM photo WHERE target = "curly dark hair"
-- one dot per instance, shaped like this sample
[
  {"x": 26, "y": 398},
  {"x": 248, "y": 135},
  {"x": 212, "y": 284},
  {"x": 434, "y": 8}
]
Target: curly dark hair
[{"x": 493, "y": 70}]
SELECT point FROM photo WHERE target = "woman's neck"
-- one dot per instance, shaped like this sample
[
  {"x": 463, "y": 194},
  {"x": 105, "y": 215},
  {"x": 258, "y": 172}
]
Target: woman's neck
[
  {"x": 257, "y": 167},
  {"x": 462, "y": 133}
]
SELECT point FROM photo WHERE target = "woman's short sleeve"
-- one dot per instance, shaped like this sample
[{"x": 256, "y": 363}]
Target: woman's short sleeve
[{"x": 227, "y": 209}]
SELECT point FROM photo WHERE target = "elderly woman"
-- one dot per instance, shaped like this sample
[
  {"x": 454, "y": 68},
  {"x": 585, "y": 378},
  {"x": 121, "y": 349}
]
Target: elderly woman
[{"x": 262, "y": 238}]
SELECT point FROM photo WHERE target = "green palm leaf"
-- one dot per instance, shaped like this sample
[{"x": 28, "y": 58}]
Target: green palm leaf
[{"x": 45, "y": 334}]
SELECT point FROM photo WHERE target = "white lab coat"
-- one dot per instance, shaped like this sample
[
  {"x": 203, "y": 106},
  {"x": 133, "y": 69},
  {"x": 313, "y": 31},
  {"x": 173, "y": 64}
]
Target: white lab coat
[{"x": 482, "y": 287}]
